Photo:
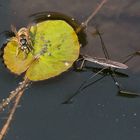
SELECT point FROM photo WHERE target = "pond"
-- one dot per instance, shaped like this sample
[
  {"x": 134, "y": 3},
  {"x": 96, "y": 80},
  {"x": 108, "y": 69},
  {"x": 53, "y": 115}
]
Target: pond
[{"x": 95, "y": 114}]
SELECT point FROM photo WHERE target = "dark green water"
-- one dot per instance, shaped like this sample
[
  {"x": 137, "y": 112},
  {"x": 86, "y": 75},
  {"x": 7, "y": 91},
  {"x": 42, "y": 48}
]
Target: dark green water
[{"x": 96, "y": 114}]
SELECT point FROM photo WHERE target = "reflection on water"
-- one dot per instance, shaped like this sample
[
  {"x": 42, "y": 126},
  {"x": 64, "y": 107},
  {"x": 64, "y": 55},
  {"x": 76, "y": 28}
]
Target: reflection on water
[{"x": 97, "y": 113}]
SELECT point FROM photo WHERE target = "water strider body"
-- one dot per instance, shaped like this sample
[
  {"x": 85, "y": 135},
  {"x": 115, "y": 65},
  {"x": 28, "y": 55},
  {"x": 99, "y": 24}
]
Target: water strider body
[{"x": 104, "y": 62}]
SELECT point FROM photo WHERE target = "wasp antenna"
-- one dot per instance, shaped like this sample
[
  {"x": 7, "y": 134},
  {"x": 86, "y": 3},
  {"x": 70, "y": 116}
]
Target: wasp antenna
[
  {"x": 13, "y": 28},
  {"x": 29, "y": 25}
]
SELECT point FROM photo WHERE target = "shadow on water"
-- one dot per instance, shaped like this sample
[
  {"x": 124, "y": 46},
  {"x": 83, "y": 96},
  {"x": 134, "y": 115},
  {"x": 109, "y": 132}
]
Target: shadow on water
[{"x": 97, "y": 113}]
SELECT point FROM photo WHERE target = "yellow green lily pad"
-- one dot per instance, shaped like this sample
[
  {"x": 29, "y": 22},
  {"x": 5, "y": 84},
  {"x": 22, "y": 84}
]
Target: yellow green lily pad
[{"x": 56, "y": 44}]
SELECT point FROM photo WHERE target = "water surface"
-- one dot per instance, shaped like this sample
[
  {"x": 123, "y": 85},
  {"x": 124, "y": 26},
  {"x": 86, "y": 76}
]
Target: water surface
[{"x": 96, "y": 114}]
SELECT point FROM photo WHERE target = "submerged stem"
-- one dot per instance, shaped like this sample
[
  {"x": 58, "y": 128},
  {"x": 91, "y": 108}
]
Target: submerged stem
[
  {"x": 85, "y": 23},
  {"x": 22, "y": 86},
  {"x": 95, "y": 12},
  {"x": 10, "y": 117},
  {"x": 15, "y": 94}
]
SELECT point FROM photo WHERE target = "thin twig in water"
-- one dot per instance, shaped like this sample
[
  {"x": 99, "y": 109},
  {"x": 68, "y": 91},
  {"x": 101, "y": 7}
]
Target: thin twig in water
[
  {"x": 21, "y": 87},
  {"x": 95, "y": 12},
  {"x": 12, "y": 112},
  {"x": 85, "y": 23}
]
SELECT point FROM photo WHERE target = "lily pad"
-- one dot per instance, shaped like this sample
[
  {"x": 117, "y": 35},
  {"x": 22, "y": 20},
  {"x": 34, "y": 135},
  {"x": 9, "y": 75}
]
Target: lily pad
[{"x": 56, "y": 45}]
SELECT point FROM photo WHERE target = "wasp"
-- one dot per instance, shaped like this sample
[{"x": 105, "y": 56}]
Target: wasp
[{"x": 23, "y": 39}]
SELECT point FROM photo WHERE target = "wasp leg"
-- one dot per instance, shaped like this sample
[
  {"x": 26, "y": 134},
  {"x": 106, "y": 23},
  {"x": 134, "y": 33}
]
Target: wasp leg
[
  {"x": 25, "y": 51},
  {"x": 17, "y": 51},
  {"x": 31, "y": 48}
]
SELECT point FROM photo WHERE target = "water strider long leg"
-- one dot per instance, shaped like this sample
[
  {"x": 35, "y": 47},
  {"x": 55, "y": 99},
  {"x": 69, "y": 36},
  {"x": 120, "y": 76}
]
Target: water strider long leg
[
  {"x": 86, "y": 86},
  {"x": 131, "y": 56},
  {"x": 116, "y": 82},
  {"x": 82, "y": 64},
  {"x": 122, "y": 91},
  {"x": 103, "y": 45},
  {"x": 128, "y": 57},
  {"x": 82, "y": 86},
  {"x": 108, "y": 57}
]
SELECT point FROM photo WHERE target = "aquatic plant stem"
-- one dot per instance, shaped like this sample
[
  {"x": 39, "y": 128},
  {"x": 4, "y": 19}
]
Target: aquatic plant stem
[
  {"x": 95, "y": 12},
  {"x": 22, "y": 86},
  {"x": 11, "y": 114},
  {"x": 85, "y": 23}
]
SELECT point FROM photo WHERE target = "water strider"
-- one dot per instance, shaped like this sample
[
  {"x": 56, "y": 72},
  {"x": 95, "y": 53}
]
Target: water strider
[{"x": 109, "y": 69}]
